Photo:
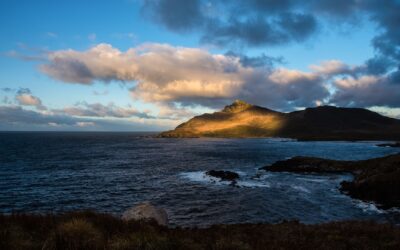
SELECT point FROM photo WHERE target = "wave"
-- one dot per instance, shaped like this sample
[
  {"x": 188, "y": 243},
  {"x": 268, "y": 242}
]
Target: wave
[{"x": 202, "y": 177}]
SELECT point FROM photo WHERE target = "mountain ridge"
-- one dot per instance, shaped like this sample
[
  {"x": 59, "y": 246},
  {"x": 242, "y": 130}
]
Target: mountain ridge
[{"x": 244, "y": 120}]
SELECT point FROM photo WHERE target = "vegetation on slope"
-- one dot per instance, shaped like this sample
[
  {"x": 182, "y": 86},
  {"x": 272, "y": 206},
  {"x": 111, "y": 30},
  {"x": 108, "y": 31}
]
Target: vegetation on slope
[{"x": 89, "y": 230}]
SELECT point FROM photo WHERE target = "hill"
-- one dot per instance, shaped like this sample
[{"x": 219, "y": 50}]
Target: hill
[{"x": 243, "y": 120}]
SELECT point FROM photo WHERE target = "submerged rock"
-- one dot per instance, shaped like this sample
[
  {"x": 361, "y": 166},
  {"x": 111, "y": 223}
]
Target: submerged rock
[
  {"x": 223, "y": 175},
  {"x": 146, "y": 211}
]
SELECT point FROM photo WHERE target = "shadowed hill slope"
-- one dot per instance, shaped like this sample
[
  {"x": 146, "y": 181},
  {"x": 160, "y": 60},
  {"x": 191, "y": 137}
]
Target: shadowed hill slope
[{"x": 242, "y": 120}]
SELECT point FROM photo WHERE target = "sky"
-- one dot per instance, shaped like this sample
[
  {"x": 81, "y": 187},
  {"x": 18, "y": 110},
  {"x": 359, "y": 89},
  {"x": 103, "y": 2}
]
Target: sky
[{"x": 149, "y": 65}]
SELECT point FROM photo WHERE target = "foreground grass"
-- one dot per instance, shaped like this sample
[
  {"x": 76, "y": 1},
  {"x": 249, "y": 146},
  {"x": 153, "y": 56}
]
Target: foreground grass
[{"x": 89, "y": 230}]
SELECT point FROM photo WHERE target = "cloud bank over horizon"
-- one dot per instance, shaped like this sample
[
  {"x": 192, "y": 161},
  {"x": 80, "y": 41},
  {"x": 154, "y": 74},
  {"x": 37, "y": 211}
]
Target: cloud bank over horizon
[{"x": 169, "y": 75}]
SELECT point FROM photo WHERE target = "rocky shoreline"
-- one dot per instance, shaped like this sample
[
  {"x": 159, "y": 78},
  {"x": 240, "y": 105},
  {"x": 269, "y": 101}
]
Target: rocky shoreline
[{"x": 376, "y": 180}]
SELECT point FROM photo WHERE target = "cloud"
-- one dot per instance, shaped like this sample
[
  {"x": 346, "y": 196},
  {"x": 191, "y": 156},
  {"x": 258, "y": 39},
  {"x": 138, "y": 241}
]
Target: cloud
[
  {"x": 100, "y": 110},
  {"x": 18, "y": 118},
  {"x": 28, "y": 100},
  {"x": 26, "y": 57},
  {"x": 98, "y": 93},
  {"x": 261, "y": 30},
  {"x": 92, "y": 37},
  {"x": 254, "y": 22},
  {"x": 85, "y": 124},
  {"x": 51, "y": 35},
  {"x": 336, "y": 67},
  {"x": 176, "y": 15},
  {"x": 187, "y": 77},
  {"x": 366, "y": 91},
  {"x": 24, "y": 97},
  {"x": 261, "y": 60},
  {"x": 16, "y": 114},
  {"x": 190, "y": 76},
  {"x": 7, "y": 90},
  {"x": 285, "y": 89}
]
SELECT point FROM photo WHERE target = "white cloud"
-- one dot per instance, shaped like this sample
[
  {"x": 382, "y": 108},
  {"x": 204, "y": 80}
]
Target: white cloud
[
  {"x": 164, "y": 74},
  {"x": 333, "y": 67},
  {"x": 25, "y": 98},
  {"x": 101, "y": 110},
  {"x": 85, "y": 124},
  {"x": 28, "y": 100}
]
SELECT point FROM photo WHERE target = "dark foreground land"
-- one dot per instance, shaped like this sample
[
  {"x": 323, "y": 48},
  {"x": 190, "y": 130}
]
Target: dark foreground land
[{"x": 89, "y": 230}]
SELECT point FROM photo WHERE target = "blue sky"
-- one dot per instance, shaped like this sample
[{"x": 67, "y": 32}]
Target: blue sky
[{"x": 44, "y": 44}]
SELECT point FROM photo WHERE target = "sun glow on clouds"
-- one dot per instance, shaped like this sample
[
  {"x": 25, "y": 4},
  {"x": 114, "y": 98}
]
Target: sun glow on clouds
[
  {"x": 171, "y": 77},
  {"x": 190, "y": 76}
]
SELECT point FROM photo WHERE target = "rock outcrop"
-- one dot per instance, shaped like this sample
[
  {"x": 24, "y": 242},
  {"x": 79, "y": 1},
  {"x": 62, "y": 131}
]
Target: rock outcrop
[
  {"x": 146, "y": 211},
  {"x": 375, "y": 180},
  {"x": 302, "y": 164}
]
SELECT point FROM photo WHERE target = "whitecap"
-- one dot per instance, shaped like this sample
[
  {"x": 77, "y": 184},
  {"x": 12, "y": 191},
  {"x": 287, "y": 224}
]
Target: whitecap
[
  {"x": 300, "y": 188},
  {"x": 368, "y": 207},
  {"x": 201, "y": 176},
  {"x": 253, "y": 184}
]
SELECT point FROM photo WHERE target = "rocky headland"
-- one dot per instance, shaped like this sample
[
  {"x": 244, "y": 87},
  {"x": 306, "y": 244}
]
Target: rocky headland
[
  {"x": 376, "y": 180},
  {"x": 244, "y": 120}
]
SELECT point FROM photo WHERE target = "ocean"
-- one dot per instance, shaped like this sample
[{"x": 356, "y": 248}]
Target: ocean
[{"x": 48, "y": 172}]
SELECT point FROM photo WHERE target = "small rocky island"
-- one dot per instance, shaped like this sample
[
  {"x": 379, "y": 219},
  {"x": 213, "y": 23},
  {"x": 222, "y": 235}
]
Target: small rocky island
[
  {"x": 376, "y": 180},
  {"x": 223, "y": 175}
]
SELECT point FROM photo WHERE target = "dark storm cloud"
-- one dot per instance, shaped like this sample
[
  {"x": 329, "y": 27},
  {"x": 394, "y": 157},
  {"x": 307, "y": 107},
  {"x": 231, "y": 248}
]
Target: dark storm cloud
[
  {"x": 177, "y": 15},
  {"x": 253, "y": 22},
  {"x": 366, "y": 91},
  {"x": 379, "y": 65},
  {"x": 259, "y": 30},
  {"x": 262, "y": 60},
  {"x": 337, "y": 8},
  {"x": 268, "y": 5}
]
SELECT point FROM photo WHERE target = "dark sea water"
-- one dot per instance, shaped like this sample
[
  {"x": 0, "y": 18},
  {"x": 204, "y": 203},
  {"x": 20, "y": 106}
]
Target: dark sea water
[{"x": 110, "y": 172}]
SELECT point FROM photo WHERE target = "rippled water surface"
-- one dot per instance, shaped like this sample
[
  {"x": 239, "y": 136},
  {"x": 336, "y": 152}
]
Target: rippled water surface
[{"x": 49, "y": 172}]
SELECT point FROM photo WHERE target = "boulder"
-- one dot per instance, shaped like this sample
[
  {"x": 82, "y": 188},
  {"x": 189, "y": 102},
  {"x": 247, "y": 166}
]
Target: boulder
[
  {"x": 223, "y": 175},
  {"x": 146, "y": 211}
]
